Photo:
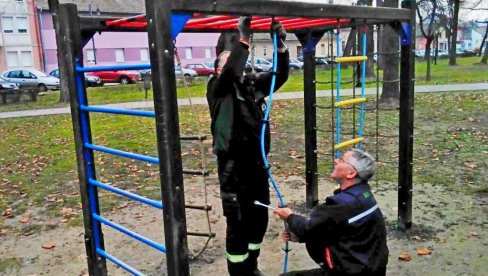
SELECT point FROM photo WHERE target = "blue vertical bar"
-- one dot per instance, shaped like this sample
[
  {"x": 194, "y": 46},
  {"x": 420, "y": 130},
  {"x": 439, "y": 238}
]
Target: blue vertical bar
[
  {"x": 363, "y": 85},
  {"x": 338, "y": 96},
  {"x": 85, "y": 132}
]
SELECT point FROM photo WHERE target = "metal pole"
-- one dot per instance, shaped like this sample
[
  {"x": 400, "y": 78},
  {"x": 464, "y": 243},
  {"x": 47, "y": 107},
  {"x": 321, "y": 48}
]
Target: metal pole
[
  {"x": 309, "y": 41},
  {"x": 405, "y": 150},
  {"x": 68, "y": 34},
  {"x": 93, "y": 37},
  {"x": 161, "y": 50}
]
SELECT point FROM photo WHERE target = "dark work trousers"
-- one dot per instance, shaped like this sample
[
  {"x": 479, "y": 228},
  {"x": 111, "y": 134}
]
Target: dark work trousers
[
  {"x": 243, "y": 180},
  {"x": 310, "y": 272}
]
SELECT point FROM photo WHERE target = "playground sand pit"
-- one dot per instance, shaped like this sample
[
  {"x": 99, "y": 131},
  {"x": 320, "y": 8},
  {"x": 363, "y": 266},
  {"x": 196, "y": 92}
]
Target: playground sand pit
[{"x": 448, "y": 236}]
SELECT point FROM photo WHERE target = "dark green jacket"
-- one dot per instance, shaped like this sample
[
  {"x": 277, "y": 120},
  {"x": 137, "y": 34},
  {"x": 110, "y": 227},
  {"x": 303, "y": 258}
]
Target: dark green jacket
[{"x": 237, "y": 103}]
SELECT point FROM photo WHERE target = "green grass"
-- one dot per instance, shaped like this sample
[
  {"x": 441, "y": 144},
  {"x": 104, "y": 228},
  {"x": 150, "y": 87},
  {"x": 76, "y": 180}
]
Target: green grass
[
  {"x": 442, "y": 73},
  {"x": 38, "y": 165}
]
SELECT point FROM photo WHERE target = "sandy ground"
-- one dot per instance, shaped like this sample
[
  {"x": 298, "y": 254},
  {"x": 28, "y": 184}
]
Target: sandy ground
[{"x": 453, "y": 226}]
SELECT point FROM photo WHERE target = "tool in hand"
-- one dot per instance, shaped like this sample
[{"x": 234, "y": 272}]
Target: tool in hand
[{"x": 264, "y": 205}]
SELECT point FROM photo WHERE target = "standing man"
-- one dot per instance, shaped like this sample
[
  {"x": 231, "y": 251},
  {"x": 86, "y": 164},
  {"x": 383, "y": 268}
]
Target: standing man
[
  {"x": 237, "y": 105},
  {"x": 346, "y": 235}
]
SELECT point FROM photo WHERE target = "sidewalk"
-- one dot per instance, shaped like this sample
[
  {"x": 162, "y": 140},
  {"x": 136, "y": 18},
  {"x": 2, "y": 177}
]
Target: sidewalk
[{"x": 278, "y": 96}]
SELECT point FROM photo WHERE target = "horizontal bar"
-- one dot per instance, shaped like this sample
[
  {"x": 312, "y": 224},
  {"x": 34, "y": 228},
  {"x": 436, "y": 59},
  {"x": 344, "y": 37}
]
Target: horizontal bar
[
  {"x": 348, "y": 143},
  {"x": 150, "y": 202},
  {"x": 196, "y": 172},
  {"x": 113, "y": 67},
  {"x": 118, "y": 262},
  {"x": 193, "y": 138},
  {"x": 289, "y": 8},
  {"x": 351, "y": 59},
  {"x": 209, "y": 235},
  {"x": 349, "y": 102},
  {"x": 142, "y": 113},
  {"x": 123, "y": 153},
  {"x": 123, "y": 20},
  {"x": 130, "y": 233},
  {"x": 205, "y": 207}
]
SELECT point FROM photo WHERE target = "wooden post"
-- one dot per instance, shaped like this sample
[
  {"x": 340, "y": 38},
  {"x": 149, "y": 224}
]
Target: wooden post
[
  {"x": 161, "y": 50},
  {"x": 67, "y": 26},
  {"x": 405, "y": 158},
  {"x": 309, "y": 40}
]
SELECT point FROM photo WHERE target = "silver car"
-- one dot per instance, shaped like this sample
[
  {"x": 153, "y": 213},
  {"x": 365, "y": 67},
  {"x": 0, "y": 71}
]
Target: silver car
[
  {"x": 32, "y": 77},
  {"x": 6, "y": 84}
]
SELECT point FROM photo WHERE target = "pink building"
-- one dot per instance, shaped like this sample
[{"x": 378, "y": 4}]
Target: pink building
[
  {"x": 111, "y": 48},
  {"x": 20, "y": 43}
]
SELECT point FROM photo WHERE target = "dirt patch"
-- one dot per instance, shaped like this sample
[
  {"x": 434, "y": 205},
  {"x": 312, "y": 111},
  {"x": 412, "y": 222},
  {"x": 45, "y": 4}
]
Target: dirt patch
[{"x": 452, "y": 225}]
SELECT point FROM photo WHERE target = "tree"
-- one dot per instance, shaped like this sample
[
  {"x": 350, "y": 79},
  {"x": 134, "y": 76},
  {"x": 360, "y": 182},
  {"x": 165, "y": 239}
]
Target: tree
[
  {"x": 426, "y": 11},
  {"x": 483, "y": 41},
  {"x": 455, "y": 19},
  {"x": 389, "y": 60}
]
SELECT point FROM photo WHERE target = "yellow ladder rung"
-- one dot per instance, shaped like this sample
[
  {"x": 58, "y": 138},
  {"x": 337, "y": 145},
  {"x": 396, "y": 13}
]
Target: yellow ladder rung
[
  {"x": 349, "y": 102},
  {"x": 348, "y": 143},
  {"x": 351, "y": 59}
]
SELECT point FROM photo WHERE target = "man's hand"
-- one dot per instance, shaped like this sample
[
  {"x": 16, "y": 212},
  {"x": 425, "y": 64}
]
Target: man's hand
[
  {"x": 285, "y": 236},
  {"x": 245, "y": 27},
  {"x": 280, "y": 33},
  {"x": 283, "y": 213}
]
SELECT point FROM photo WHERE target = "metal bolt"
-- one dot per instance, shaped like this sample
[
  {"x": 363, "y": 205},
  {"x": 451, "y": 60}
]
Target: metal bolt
[
  {"x": 178, "y": 188},
  {"x": 166, "y": 52},
  {"x": 153, "y": 45}
]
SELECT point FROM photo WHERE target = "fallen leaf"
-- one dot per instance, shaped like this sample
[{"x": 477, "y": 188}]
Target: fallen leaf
[
  {"x": 473, "y": 234},
  {"x": 423, "y": 251},
  {"x": 472, "y": 119},
  {"x": 24, "y": 219},
  {"x": 470, "y": 165},
  {"x": 441, "y": 240},
  {"x": 416, "y": 238},
  {"x": 7, "y": 213},
  {"x": 405, "y": 257},
  {"x": 64, "y": 220},
  {"x": 49, "y": 245}
]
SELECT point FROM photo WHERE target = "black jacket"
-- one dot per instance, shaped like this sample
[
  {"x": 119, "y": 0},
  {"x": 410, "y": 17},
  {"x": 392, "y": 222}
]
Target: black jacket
[
  {"x": 237, "y": 104},
  {"x": 346, "y": 234}
]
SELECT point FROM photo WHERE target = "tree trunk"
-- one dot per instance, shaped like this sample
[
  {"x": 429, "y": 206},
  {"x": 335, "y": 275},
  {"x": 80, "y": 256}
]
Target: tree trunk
[
  {"x": 428, "y": 57},
  {"x": 351, "y": 41},
  {"x": 483, "y": 41},
  {"x": 389, "y": 59},
  {"x": 485, "y": 56},
  {"x": 455, "y": 19}
]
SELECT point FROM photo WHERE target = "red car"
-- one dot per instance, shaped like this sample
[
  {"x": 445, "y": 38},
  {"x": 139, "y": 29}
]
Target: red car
[
  {"x": 122, "y": 77},
  {"x": 201, "y": 69}
]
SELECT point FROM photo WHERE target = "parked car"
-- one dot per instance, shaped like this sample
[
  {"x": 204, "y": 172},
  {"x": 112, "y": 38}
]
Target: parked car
[
  {"x": 7, "y": 85},
  {"x": 32, "y": 77},
  {"x": 188, "y": 73},
  {"x": 263, "y": 64},
  {"x": 248, "y": 67},
  {"x": 321, "y": 61},
  {"x": 178, "y": 72},
  {"x": 201, "y": 69},
  {"x": 122, "y": 77},
  {"x": 295, "y": 64},
  {"x": 210, "y": 64},
  {"x": 89, "y": 79}
]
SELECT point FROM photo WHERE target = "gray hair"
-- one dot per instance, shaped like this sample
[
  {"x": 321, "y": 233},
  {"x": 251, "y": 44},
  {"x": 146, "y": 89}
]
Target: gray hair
[{"x": 364, "y": 164}]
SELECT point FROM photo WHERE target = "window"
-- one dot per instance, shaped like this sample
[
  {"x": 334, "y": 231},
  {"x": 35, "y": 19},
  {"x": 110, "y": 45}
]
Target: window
[
  {"x": 26, "y": 58},
  {"x": 208, "y": 52},
  {"x": 322, "y": 46},
  {"x": 265, "y": 51},
  {"x": 12, "y": 59},
  {"x": 90, "y": 56},
  {"x": 8, "y": 24},
  {"x": 188, "y": 54},
  {"x": 119, "y": 55},
  {"x": 144, "y": 54},
  {"x": 21, "y": 23}
]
